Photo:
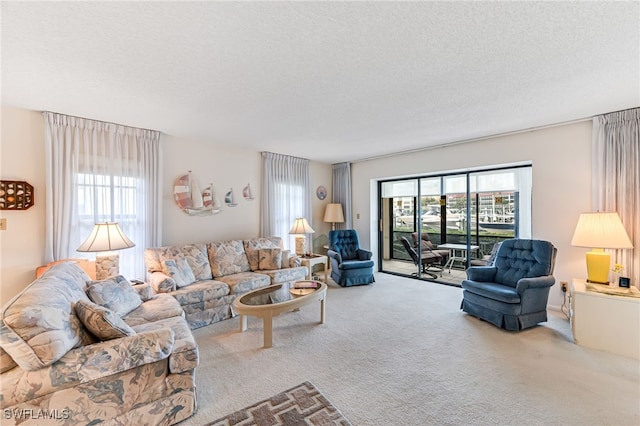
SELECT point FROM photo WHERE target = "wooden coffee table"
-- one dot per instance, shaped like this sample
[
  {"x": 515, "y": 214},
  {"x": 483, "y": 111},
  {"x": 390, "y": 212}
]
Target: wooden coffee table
[{"x": 268, "y": 302}]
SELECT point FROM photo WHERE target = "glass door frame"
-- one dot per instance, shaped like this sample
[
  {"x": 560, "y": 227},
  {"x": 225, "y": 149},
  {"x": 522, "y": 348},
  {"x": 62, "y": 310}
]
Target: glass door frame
[{"x": 471, "y": 197}]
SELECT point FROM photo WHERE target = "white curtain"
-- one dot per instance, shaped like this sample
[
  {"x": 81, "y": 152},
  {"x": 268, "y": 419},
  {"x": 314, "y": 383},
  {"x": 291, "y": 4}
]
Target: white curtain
[
  {"x": 616, "y": 179},
  {"x": 341, "y": 190},
  {"x": 285, "y": 195},
  {"x": 99, "y": 172}
]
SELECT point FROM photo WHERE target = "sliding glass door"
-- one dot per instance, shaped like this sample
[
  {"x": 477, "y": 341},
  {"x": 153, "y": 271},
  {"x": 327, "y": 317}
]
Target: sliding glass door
[{"x": 461, "y": 215}]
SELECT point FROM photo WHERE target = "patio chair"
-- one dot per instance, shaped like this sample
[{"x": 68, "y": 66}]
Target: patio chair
[
  {"x": 426, "y": 244},
  {"x": 427, "y": 258}
]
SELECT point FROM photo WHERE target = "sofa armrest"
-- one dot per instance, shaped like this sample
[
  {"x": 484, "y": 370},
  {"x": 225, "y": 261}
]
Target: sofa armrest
[
  {"x": 364, "y": 254},
  {"x": 482, "y": 273},
  {"x": 536, "y": 282},
  {"x": 334, "y": 255},
  {"x": 162, "y": 283},
  {"x": 85, "y": 364},
  {"x": 114, "y": 356},
  {"x": 294, "y": 261},
  {"x": 145, "y": 291}
]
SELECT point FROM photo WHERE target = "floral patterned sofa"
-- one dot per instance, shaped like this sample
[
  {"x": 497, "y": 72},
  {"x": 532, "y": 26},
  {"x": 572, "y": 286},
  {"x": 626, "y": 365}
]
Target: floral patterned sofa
[
  {"x": 205, "y": 278},
  {"x": 76, "y": 351}
]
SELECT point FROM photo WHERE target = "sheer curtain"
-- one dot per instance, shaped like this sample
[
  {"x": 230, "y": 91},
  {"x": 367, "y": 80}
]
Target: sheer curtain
[
  {"x": 616, "y": 179},
  {"x": 99, "y": 172},
  {"x": 285, "y": 195},
  {"x": 341, "y": 190}
]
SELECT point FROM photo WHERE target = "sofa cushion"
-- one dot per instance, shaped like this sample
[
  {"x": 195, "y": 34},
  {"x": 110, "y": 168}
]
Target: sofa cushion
[
  {"x": 179, "y": 269},
  {"x": 270, "y": 258},
  {"x": 245, "y": 281},
  {"x": 195, "y": 254},
  {"x": 201, "y": 291},
  {"x": 39, "y": 325},
  {"x": 252, "y": 249},
  {"x": 114, "y": 293},
  {"x": 162, "y": 307},
  {"x": 227, "y": 257},
  {"x": 287, "y": 275},
  {"x": 102, "y": 322},
  {"x": 494, "y": 291}
]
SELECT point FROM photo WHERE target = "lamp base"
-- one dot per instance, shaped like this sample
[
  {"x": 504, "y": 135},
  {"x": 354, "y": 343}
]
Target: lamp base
[
  {"x": 301, "y": 241},
  {"x": 598, "y": 263},
  {"x": 107, "y": 265}
]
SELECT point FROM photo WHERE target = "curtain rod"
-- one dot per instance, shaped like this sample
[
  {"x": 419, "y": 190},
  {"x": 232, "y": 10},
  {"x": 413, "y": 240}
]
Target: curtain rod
[{"x": 102, "y": 121}]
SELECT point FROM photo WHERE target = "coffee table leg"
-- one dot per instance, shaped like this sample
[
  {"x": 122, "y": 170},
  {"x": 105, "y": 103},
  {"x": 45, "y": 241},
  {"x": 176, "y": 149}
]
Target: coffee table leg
[
  {"x": 322, "y": 311},
  {"x": 267, "y": 322},
  {"x": 243, "y": 323}
]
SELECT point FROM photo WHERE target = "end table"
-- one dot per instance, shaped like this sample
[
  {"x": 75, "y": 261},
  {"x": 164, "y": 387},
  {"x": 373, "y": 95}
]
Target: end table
[{"x": 309, "y": 260}]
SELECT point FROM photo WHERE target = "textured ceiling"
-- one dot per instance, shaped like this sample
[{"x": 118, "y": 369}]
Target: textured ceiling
[{"x": 328, "y": 81}]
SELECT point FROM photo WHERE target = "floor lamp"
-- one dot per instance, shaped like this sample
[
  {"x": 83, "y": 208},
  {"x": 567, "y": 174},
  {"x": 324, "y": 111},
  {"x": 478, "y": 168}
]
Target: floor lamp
[{"x": 333, "y": 214}]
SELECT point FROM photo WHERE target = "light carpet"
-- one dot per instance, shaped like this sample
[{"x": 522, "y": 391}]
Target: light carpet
[
  {"x": 401, "y": 352},
  {"x": 300, "y": 405}
]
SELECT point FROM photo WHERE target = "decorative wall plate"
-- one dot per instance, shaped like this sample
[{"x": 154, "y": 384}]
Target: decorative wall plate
[
  {"x": 15, "y": 195},
  {"x": 321, "y": 192}
]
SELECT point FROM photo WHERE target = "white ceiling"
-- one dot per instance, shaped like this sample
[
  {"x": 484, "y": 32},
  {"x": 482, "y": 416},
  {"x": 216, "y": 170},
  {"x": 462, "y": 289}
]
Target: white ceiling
[{"x": 328, "y": 81}]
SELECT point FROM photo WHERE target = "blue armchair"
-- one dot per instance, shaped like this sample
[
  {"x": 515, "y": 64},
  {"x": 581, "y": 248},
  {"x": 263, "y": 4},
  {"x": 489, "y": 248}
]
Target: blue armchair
[
  {"x": 350, "y": 264},
  {"x": 513, "y": 292}
]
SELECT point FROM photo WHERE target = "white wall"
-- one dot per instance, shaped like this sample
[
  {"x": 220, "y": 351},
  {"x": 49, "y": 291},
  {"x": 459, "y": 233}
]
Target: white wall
[
  {"x": 561, "y": 158},
  {"x": 22, "y": 158},
  {"x": 227, "y": 168}
]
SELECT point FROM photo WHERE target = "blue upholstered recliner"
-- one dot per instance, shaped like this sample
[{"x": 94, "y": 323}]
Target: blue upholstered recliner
[
  {"x": 350, "y": 264},
  {"x": 512, "y": 293}
]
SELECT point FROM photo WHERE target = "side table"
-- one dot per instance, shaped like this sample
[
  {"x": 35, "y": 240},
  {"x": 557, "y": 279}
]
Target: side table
[
  {"x": 315, "y": 259},
  {"x": 605, "y": 322}
]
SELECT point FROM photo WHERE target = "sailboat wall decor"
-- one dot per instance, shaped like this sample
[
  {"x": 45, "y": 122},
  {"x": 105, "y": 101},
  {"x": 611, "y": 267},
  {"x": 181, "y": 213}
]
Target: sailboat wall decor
[
  {"x": 247, "y": 194},
  {"x": 230, "y": 199},
  {"x": 191, "y": 200}
]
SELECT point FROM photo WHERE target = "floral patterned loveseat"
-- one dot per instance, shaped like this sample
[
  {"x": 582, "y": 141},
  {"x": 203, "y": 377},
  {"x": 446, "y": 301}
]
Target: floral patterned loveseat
[
  {"x": 205, "y": 278},
  {"x": 76, "y": 351}
]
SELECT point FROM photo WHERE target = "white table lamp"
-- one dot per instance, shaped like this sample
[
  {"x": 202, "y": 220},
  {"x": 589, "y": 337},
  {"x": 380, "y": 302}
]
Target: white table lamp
[
  {"x": 300, "y": 228},
  {"x": 106, "y": 237}
]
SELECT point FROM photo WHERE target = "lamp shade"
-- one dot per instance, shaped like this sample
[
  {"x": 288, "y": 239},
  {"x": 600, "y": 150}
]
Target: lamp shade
[
  {"x": 301, "y": 226},
  {"x": 106, "y": 236},
  {"x": 333, "y": 213},
  {"x": 601, "y": 230}
]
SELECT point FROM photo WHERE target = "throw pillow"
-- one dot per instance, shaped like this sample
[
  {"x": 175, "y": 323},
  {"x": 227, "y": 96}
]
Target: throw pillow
[
  {"x": 270, "y": 258},
  {"x": 115, "y": 293},
  {"x": 286, "y": 255},
  {"x": 102, "y": 322},
  {"x": 179, "y": 270}
]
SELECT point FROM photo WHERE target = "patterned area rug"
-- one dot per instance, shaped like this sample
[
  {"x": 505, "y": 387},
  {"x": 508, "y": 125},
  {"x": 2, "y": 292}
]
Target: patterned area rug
[{"x": 301, "y": 405}]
